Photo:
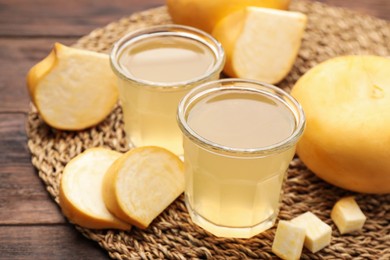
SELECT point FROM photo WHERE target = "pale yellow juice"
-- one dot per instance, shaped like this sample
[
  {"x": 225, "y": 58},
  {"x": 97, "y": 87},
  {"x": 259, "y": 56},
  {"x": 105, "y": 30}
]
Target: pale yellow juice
[
  {"x": 166, "y": 60},
  {"x": 156, "y": 69},
  {"x": 237, "y": 195}
]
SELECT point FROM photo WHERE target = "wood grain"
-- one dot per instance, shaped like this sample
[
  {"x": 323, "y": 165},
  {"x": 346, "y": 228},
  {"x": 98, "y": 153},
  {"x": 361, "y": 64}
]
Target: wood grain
[
  {"x": 31, "y": 224},
  {"x": 63, "y": 19},
  {"x": 47, "y": 242},
  {"x": 377, "y": 8},
  {"x": 23, "y": 198}
]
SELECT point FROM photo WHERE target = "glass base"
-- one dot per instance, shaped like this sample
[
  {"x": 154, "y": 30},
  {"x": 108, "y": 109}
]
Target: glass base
[{"x": 231, "y": 232}]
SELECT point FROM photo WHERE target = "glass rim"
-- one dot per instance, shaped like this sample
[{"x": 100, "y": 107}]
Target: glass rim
[
  {"x": 176, "y": 30},
  {"x": 201, "y": 91}
]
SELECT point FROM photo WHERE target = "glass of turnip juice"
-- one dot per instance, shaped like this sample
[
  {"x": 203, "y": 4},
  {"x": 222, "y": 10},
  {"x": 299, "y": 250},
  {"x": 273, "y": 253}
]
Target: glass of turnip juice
[
  {"x": 239, "y": 138},
  {"x": 156, "y": 67}
]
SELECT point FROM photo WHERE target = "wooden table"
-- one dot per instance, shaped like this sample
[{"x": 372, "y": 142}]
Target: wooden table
[{"x": 31, "y": 224}]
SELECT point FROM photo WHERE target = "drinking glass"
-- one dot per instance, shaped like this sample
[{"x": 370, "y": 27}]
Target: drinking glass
[
  {"x": 156, "y": 67},
  {"x": 239, "y": 138}
]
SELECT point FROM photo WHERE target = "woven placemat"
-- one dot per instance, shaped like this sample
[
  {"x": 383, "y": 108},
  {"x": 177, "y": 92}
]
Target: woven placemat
[{"x": 330, "y": 32}]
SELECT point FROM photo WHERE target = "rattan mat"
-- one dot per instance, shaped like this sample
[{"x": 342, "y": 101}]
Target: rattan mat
[{"x": 330, "y": 32}]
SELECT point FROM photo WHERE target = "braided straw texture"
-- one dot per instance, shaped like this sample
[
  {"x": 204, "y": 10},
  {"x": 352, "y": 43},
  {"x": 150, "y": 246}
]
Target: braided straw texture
[{"x": 330, "y": 32}]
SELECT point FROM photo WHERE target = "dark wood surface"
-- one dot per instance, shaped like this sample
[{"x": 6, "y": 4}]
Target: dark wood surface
[{"x": 31, "y": 224}]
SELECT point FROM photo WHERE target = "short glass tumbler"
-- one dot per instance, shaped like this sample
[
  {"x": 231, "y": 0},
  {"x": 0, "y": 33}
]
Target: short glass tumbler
[
  {"x": 156, "y": 67},
  {"x": 239, "y": 137}
]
